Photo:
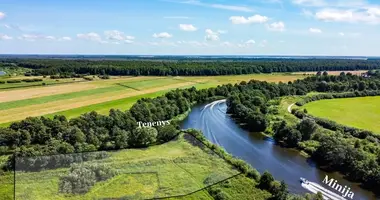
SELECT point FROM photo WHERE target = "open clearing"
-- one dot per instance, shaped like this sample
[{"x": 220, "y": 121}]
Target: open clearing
[
  {"x": 178, "y": 167},
  {"x": 360, "y": 112},
  {"x": 73, "y": 99}
]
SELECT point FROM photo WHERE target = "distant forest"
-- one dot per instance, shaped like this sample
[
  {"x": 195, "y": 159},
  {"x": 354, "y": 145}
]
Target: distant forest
[{"x": 185, "y": 67}]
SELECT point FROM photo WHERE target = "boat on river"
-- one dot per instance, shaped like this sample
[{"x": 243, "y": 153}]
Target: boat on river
[{"x": 315, "y": 188}]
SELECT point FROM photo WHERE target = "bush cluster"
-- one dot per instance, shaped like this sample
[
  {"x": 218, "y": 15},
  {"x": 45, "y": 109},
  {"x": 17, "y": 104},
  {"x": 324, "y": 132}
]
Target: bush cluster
[{"x": 82, "y": 177}]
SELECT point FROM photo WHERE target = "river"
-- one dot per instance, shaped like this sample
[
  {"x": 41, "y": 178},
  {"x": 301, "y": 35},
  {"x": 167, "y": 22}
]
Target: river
[{"x": 261, "y": 152}]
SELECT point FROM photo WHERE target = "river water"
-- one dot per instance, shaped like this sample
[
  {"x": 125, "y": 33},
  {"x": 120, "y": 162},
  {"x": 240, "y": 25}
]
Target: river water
[{"x": 260, "y": 152}]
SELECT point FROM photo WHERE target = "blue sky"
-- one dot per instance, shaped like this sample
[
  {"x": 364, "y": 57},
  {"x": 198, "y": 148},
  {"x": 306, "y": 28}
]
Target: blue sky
[{"x": 243, "y": 27}]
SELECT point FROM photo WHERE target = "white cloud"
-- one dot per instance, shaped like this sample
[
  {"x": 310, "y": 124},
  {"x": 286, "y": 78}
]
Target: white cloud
[
  {"x": 370, "y": 15},
  {"x": 193, "y": 43},
  {"x": 50, "y": 37},
  {"x": 187, "y": 27},
  {"x": 163, "y": 43},
  {"x": 128, "y": 41},
  {"x": 90, "y": 36},
  {"x": 30, "y": 37},
  {"x": 315, "y": 30},
  {"x": 314, "y": 3},
  {"x": 65, "y": 38},
  {"x": 227, "y": 44},
  {"x": 332, "y": 3},
  {"x": 2, "y": 15},
  {"x": 5, "y": 37},
  {"x": 222, "y": 31},
  {"x": 211, "y": 35},
  {"x": 250, "y": 20},
  {"x": 162, "y": 35},
  {"x": 33, "y": 37},
  {"x": 176, "y": 17},
  {"x": 117, "y": 36},
  {"x": 250, "y": 42},
  {"x": 342, "y": 34},
  {"x": 229, "y": 7},
  {"x": 276, "y": 26},
  {"x": 218, "y": 6}
]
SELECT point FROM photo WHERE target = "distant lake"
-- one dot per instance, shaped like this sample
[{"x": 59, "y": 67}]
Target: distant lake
[{"x": 2, "y": 73}]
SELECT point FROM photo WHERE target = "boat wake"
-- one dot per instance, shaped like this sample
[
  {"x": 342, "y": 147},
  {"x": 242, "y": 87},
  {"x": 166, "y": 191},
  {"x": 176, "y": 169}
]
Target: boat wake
[{"x": 315, "y": 188}]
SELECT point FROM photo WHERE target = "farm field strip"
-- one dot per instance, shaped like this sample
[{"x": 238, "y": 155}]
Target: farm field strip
[
  {"x": 140, "y": 85},
  {"x": 14, "y": 95},
  {"x": 47, "y": 99},
  {"x": 102, "y": 95},
  {"x": 27, "y": 93},
  {"x": 359, "y": 112},
  {"x": 56, "y": 106}
]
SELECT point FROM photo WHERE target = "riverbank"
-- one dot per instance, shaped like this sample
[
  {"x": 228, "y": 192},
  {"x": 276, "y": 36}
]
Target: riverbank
[{"x": 285, "y": 164}]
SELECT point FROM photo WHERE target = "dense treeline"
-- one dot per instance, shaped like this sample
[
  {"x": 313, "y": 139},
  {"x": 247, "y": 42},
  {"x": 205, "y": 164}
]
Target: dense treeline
[
  {"x": 201, "y": 68},
  {"x": 355, "y": 153}
]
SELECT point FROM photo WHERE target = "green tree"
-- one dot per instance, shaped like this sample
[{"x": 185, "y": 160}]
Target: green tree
[
  {"x": 307, "y": 127},
  {"x": 143, "y": 137},
  {"x": 166, "y": 133},
  {"x": 266, "y": 180}
]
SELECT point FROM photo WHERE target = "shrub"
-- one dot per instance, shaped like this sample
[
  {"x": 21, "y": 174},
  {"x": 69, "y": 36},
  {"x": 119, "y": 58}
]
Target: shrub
[
  {"x": 13, "y": 81},
  {"x": 82, "y": 177}
]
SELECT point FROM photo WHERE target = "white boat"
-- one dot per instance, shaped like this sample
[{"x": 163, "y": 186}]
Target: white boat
[{"x": 315, "y": 188}]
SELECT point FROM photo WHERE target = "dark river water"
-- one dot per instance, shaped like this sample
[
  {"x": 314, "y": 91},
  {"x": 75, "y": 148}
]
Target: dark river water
[{"x": 261, "y": 153}]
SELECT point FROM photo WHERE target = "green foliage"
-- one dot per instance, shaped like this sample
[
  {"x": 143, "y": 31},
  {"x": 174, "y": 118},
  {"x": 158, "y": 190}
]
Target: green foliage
[
  {"x": 266, "y": 180},
  {"x": 143, "y": 137},
  {"x": 82, "y": 177},
  {"x": 307, "y": 127},
  {"x": 166, "y": 133}
]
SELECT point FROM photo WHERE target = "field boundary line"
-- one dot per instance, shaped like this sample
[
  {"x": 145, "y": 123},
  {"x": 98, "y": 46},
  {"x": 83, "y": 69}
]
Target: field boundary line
[{"x": 40, "y": 85}]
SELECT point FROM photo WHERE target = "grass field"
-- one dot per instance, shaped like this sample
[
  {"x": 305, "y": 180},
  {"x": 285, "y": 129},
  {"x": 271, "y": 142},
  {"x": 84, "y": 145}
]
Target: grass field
[
  {"x": 361, "y": 112},
  {"x": 179, "y": 167},
  {"x": 73, "y": 99}
]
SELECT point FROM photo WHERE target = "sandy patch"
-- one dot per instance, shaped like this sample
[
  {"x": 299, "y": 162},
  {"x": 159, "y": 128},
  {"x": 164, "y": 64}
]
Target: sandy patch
[{"x": 57, "y": 106}]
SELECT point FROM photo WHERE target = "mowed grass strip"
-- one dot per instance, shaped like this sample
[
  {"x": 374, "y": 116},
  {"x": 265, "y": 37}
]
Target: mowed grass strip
[
  {"x": 171, "y": 169},
  {"x": 58, "y": 97},
  {"x": 34, "y": 92},
  {"x": 361, "y": 112}
]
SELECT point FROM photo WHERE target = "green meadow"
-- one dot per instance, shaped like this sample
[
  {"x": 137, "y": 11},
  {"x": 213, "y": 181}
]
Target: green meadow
[
  {"x": 360, "y": 112},
  {"x": 179, "y": 167}
]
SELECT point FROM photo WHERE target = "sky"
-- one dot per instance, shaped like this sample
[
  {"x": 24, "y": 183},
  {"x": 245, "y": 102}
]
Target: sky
[{"x": 191, "y": 27}]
